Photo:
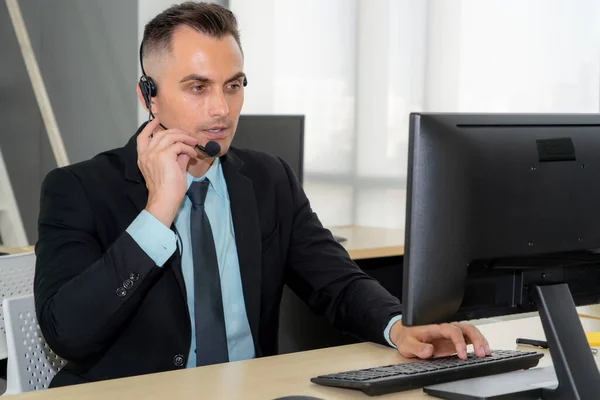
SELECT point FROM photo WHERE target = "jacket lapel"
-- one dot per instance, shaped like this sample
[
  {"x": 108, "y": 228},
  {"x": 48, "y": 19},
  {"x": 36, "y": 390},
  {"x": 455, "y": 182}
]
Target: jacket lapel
[
  {"x": 246, "y": 226},
  {"x": 138, "y": 194}
]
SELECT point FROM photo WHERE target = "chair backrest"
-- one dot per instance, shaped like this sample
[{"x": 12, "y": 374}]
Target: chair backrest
[
  {"x": 31, "y": 362},
  {"x": 16, "y": 279}
]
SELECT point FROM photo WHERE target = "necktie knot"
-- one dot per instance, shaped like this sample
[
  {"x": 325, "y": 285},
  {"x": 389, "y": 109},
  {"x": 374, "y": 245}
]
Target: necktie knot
[{"x": 197, "y": 192}]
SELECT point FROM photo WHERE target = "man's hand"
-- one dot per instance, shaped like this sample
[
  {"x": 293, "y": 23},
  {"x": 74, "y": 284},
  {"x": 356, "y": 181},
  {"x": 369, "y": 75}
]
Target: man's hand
[
  {"x": 163, "y": 157},
  {"x": 438, "y": 340}
]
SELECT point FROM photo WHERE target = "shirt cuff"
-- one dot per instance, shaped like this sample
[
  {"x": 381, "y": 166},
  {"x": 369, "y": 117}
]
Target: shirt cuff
[
  {"x": 386, "y": 332},
  {"x": 157, "y": 241}
]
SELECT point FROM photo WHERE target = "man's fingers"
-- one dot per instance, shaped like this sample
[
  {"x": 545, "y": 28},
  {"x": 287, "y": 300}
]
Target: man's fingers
[
  {"x": 166, "y": 138},
  {"x": 443, "y": 347},
  {"x": 143, "y": 139},
  {"x": 455, "y": 334},
  {"x": 156, "y": 137},
  {"x": 480, "y": 344},
  {"x": 179, "y": 148},
  {"x": 446, "y": 331},
  {"x": 411, "y": 347},
  {"x": 183, "y": 160},
  {"x": 444, "y": 339}
]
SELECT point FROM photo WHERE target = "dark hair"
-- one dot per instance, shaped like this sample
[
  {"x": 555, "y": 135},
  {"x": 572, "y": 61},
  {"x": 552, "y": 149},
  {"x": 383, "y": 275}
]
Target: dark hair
[{"x": 210, "y": 19}]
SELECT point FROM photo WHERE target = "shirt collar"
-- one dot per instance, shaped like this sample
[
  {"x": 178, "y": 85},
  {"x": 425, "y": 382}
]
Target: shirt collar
[{"x": 215, "y": 177}]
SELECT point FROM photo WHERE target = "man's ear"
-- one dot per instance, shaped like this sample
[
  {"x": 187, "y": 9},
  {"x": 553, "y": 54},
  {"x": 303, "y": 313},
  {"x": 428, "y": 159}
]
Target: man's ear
[
  {"x": 153, "y": 102},
  {"x": 140, "y": 96}
]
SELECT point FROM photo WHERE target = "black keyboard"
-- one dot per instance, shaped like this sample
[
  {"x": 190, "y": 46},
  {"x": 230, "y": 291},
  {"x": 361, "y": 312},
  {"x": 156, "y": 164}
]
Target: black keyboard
[{"x": 414, "y": 375}]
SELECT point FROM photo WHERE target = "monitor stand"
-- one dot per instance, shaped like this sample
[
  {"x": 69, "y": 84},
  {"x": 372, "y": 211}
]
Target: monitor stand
[{"x": 575, "y": 367}]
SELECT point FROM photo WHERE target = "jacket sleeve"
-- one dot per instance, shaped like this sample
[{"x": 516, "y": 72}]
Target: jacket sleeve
[
  {"x": 321, "y": 272},
  {"x": 83, "y": 295}
]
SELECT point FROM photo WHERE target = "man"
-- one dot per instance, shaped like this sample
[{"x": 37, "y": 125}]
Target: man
[{"x": 157, "y": 256}]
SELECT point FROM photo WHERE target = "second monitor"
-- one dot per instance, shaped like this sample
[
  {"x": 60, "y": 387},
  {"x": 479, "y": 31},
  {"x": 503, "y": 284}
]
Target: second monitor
[{"x": 279, "y": 135}]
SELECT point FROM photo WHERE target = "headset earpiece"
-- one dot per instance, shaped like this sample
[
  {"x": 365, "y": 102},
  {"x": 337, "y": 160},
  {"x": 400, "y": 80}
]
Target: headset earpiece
[
  {"x": 148, "y": 89},
  {"x": 245, "y": 82}
]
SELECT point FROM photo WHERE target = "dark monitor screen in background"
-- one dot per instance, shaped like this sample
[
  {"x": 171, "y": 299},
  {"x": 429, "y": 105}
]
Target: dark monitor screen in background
[
  {"x": 497, "y": 204},
  {"x": 278, "y": 135}
]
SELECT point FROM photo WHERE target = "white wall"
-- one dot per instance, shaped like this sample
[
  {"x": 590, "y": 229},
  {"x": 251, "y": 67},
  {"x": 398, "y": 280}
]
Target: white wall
[
  {"x": 515, "y": 55},
  {"x": 86, "y": 54}
]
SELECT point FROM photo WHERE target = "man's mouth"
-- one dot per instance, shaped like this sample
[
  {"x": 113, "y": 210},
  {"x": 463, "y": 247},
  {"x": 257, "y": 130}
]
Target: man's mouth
[
  {"x": 216, "y": 129},
  {"x": 216, "y": 132}
]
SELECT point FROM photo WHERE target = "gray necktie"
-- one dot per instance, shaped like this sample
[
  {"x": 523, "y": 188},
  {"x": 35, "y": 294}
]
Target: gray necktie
[{"x": 211, "y": 338}]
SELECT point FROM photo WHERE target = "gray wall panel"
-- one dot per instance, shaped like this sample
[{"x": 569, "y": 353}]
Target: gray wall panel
[{"x": 87, "y": 53}]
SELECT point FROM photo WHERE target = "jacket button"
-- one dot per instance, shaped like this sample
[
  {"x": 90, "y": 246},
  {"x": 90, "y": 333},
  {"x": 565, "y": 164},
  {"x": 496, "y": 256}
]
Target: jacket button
[
  {"x": 178, "y": 360},
  {"x": 128, "y": 284},
  {"x": 121, "y": 292},
  {"x": 134, "y": 276}
]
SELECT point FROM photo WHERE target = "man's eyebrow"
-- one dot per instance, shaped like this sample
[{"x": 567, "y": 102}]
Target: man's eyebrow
[
  {"x": 203, "y": 79},
  {"x": 236, "y": 77},
  {"x": 195, "y": 77}
]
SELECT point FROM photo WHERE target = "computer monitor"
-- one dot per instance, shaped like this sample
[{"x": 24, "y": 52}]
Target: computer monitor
[
  {"x": 278, "y": 135},
  {"x": 497, "y": 204}
]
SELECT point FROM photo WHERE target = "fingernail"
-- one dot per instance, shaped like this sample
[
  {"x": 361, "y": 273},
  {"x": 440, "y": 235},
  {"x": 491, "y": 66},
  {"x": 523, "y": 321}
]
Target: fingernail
[
  {"x": 482, "y": 351},
  {"x": 488, "y": 351}
]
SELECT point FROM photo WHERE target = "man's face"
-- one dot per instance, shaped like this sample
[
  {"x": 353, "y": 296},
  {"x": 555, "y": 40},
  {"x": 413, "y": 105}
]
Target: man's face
[{"x": 199, "y": 86}]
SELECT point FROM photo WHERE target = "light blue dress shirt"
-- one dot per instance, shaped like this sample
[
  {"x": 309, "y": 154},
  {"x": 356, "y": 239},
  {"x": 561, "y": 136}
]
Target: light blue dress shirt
[
  {"x": 388, "y": 328},
  {"x": 159, "y": 242}
]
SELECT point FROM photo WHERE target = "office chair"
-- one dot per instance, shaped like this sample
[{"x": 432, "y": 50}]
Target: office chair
[
  {"x": 16, "y": 279},
  {"x": 31, "y": 362}
]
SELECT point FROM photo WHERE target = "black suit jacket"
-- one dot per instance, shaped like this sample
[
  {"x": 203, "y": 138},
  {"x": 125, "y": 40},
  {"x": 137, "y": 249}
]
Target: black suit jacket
[{"x": 84, "y": 256}]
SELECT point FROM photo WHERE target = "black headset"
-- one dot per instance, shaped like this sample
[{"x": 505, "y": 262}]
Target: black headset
[{"x": 148, "y": 87}]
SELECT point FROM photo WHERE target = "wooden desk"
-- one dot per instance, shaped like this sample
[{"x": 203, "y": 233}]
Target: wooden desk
[
  {"x": 368, "y": 242},
  {"x": 284, "y": 375},
  {"x": 15, "y": 250}
]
